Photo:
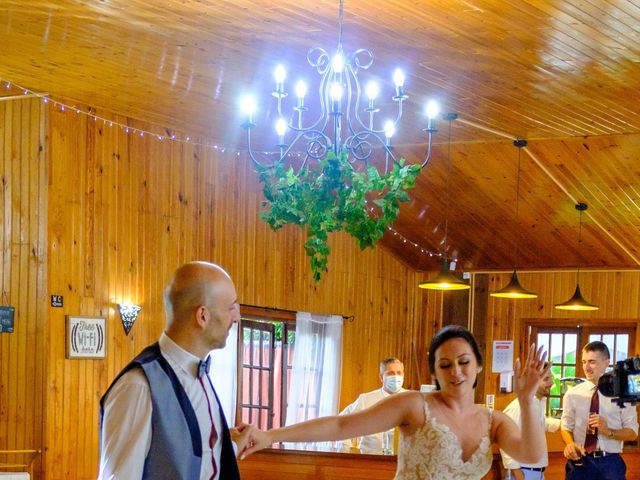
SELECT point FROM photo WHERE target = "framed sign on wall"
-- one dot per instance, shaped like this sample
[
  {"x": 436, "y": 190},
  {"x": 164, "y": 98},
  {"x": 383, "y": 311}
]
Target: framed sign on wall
[
  {"x": 86, "y": 337},
  {"x": 6, "y": 319}
]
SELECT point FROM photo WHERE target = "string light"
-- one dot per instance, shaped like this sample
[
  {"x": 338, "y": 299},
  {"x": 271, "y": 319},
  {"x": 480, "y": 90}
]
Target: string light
[
  {"x": 405, "y": 240},
  {"x": 417, "y": 246},
  {"x": 63, "y": 107}
]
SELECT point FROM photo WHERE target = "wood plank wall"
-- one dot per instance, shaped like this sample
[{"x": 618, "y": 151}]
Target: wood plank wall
[
  {"x": 23, "y": 217},
  {"x": 126, "y": 210}
]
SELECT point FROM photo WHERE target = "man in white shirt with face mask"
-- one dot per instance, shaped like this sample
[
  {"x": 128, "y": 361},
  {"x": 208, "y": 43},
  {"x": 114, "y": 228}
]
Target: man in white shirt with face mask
[{"x": 392, "y": 377}]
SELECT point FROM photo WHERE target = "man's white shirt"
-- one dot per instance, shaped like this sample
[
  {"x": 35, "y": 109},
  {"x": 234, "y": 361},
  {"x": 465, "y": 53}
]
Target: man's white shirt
[
  {"x": 369, "y": 443},
  {"x": 127, "y": 417},
  {"x": 550, "y": 425},
  {"x": 575, "y": 415}
]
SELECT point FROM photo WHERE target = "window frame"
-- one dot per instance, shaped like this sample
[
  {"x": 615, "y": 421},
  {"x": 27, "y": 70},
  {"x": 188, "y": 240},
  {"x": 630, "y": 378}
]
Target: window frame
[
  {"x": 531, "y": 327},
  {"x": 266, "y": 315}
]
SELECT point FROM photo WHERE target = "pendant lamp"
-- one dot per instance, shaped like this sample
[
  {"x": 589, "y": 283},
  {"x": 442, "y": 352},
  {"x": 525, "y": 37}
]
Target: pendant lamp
[
  {"x": 445, "y": 280},
  {"x": 513, "y": 289},
  {"x": 577, "y": 301}
]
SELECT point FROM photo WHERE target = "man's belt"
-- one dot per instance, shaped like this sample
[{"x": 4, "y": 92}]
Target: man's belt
[{"x": 600, "y": 454}]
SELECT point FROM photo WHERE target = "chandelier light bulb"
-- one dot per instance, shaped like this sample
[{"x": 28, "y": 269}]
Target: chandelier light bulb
[
  {"x": 398, "y": 78},
  {"x": 280, "y": 74},
  {"x": 281, "y": 127},
  {"x": 301, "y": 89},
  {"x": 336, "y": 92},
  {"x": 372, "y": 90},
  {"x": 389, "y": 129},
  {"x": 248, "y": 107},
  {"x": 338, "y": 63},
  {"x": 432, "y": 109}
]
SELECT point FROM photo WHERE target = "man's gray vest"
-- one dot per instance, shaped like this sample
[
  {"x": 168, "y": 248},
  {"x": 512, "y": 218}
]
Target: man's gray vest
[{"x": 175, "y": 452}]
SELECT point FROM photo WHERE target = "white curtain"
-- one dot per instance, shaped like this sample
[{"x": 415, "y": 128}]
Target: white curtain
[
  {"x": 223, "y": 373},
  {"x": 317, "y": 366}
]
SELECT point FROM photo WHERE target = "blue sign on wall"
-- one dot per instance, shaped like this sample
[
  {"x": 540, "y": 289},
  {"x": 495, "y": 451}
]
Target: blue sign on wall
[{"x": 6, "y": 319}]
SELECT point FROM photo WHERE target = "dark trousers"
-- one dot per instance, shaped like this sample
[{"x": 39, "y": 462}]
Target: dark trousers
[{"x": 609, "y": 467}]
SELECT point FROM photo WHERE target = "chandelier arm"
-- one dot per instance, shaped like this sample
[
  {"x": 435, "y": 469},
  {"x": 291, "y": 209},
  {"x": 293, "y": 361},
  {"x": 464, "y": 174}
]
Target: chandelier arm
[
  {"x": 323, "y": 107},
  {"x": 359, "y": 140},
  {"x": 354, "y": 59},
  {"x": 322, "y": 62},
  {"x": 337, "y": 134},
  {"x": 387, "y": 153},
  {"x": 250, "y": 151},
  {"x": 284, "y": 152},
  {"x": 370, "y": 128},
  {"x": 280, "y": 107},
  {"x": 358, "y": 143},
  {"x": 364, "y": 127},
  {"x": 304, "y": 162},
  {"x": 399, "y": 116},
  {"x": 429, "y": 150},
  {"x": 349, "y": 78},
  {"x": 357, "y": 115},
  {"x": 317, "y": 138}
]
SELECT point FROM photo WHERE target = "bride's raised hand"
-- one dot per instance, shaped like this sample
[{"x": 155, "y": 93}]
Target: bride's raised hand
[{"x": 527, "y": 376}]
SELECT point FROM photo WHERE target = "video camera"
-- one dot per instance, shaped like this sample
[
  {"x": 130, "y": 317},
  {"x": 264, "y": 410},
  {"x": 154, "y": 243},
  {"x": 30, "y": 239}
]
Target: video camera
[{"x": 623, "y": 382}]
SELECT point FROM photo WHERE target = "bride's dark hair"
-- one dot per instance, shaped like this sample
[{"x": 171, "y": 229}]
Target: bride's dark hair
[{"x": 445, "y": 334}]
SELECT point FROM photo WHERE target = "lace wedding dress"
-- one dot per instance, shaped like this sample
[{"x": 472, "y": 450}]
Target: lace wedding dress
[{"x": 433, "y": 452}]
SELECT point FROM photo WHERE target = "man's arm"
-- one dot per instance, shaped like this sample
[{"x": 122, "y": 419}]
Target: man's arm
[
  {"x": 552, "y": 424},
  {"x": 125, "y": 436},
  {"x": 629, "y": 430},
  {"x": 572, "y": 450}
]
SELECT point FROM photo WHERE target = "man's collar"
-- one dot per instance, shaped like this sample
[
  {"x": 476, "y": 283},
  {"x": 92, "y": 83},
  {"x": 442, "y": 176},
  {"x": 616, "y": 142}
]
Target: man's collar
[{"x": 186, "y": 360}]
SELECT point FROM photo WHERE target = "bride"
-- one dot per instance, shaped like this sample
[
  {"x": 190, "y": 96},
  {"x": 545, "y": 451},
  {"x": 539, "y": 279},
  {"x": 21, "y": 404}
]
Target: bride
[{"x": 443, "y": 434}]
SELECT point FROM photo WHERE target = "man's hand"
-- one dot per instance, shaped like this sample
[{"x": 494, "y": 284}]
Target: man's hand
[
  {"x": 241, "y": 436},
  {"x": 256, "y": 440},
  {"x": 517, "y": 474},
  {"x": 573, "y": 451},
  {"x": 600, "y": 423}
]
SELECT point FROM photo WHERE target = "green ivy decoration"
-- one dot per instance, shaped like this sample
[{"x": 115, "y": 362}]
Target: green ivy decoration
[{"x": 331, "y": 196}]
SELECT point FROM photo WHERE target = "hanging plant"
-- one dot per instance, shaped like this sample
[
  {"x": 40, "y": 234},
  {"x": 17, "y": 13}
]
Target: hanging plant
[{"x": 331, "y": 196}]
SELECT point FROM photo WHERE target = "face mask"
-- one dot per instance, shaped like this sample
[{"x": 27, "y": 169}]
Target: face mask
[{"x": 393, "y": 383}]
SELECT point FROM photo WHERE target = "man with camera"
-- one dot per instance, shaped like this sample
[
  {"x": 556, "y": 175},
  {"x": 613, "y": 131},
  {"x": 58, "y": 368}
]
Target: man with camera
[{"x": 593, "y": 426}]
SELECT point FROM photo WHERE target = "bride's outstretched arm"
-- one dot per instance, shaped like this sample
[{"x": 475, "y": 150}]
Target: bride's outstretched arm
[{"x": 400, "y": 409}]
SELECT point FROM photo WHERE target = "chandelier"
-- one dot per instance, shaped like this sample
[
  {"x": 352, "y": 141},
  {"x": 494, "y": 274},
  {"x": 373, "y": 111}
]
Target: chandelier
[
  {"x": 344, "y": 176},
  {"x": 344, "y": 122}
]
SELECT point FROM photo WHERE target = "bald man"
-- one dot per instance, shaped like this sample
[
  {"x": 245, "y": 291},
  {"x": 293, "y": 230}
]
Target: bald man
[{"x": 161, "y": 418}]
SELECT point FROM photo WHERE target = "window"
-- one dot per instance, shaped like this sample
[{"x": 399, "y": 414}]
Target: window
[
  {"x": 265, "y": 354},
  {"x": 564, "y": 346}
]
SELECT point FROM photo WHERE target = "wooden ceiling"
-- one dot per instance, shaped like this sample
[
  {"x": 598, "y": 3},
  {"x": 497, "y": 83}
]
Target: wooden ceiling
[{"x": 564, "y": 74}]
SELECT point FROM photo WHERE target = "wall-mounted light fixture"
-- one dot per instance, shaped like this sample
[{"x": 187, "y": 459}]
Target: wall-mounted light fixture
[{"x": 128, "y": 315}]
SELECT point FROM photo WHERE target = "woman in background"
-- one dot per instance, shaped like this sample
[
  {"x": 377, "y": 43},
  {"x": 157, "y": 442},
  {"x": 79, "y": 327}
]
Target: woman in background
[{"x": 443, "y": 434}]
